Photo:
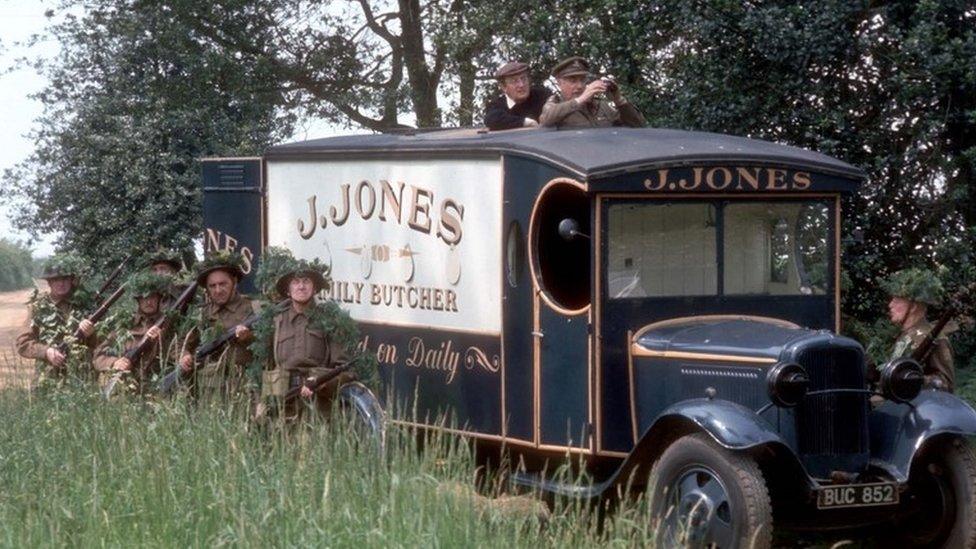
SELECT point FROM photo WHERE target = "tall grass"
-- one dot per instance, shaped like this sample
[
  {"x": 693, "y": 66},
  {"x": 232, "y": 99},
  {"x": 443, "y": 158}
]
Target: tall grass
[{"x": 77, "y": 471}]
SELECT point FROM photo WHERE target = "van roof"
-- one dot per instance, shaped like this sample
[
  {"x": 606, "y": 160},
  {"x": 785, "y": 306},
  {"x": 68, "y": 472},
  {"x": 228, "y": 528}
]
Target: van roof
[{"x": 590, "y": 153}]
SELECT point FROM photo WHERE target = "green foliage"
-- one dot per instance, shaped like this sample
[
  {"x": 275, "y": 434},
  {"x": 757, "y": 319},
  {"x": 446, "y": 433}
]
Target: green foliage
[
  {"x": 57, "y": 325},
  {"x": 145, "y": 283},
  {"x": 920, "y": 285},
  {"x": 135, "y": 98},
  {"x": 16, "y": 266},
  {"x": 65, "y": 264},
  {"x": 275, "y": 262}
]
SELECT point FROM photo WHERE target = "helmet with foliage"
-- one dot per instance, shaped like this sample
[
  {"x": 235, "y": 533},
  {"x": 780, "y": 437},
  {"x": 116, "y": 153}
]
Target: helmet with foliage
[
  {"x": 916, "y": 284},
  {"x": 222, "y": 260},
  {"x": 278, "y": 266},
  {"x": 64, "y": 264},
  {"x": 145, "y": 283},
  {"x": 168, "y": 256}
]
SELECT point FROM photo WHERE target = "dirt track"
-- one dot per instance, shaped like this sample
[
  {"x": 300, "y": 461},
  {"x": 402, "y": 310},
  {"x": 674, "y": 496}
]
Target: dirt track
[{"x": 14, "y": 371}]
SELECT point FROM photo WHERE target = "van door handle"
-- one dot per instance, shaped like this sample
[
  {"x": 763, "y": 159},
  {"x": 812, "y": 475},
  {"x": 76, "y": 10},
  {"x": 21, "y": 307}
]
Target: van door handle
[{"x": 539, "y": 335}]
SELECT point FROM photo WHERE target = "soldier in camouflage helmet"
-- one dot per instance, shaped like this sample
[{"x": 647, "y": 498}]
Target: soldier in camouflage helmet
[
  {"x": 53, "y": 318},
  {"x": 912, "y": 291},
  {"x": 148, "y": 290},
  {"x": 167, "y": 262},
  {"x": 226, "y": 308}
]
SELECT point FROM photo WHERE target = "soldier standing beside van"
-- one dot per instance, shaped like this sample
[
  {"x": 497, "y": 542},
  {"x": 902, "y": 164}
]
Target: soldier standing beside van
[
  {"x": 912, "y": 291},
  {"x": 520, "y": 104},
  {"x": 52, "y": 319},
  {"x": 226, "y": 308},
  {"x": 305, "y": 342},
  {"x": 581, "y": 105}
]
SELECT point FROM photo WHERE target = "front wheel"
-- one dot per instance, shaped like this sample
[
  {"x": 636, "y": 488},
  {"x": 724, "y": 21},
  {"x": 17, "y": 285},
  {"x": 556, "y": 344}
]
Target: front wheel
[
  {"x": 940, "y": 510},
  {"x": 703, "y": 495}
]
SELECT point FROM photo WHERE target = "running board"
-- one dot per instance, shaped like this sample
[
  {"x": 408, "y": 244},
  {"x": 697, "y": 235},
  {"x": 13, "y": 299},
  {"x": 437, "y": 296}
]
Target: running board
[{"x": 536, "y": 481}]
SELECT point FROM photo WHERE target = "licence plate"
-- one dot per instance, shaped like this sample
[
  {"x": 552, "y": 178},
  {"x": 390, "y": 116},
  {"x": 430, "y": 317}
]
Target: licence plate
[{"x": 857, "y": 495}]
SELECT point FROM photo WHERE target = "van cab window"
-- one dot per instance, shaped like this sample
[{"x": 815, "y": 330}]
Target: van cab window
[
  {"x": 707, "y": 248},
  {"x": 776, "y": 248},
  {"x": 660, "y": 249}
]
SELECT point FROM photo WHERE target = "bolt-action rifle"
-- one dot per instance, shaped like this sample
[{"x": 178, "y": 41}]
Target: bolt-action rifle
[
  {"x": 145, "y": 343},
  {"x": 955, "y": 307},
  {"x": 111, "y": 278},
  {"x": 175, "y": 377},
  {"x": 318, "y": 383}
]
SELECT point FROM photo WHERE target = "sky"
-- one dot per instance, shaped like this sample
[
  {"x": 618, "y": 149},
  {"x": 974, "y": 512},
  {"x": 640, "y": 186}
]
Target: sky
[{"x": 19, "y": 19}]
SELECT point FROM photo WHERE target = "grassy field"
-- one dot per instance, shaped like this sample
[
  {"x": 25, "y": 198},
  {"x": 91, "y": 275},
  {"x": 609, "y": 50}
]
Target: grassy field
[{"x": 75, "y": 471}]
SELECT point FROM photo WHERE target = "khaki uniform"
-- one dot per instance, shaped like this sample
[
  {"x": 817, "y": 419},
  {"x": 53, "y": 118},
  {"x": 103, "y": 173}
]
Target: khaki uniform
[
  {"x": 224, "y": 372},
  {"x": 596, "y": 113},
  {"x": 36, "y": 338},
  {"x": 142, "y": 370},
  {"x": 939, "y": 364},
  {"x": 301, "y": 352}
]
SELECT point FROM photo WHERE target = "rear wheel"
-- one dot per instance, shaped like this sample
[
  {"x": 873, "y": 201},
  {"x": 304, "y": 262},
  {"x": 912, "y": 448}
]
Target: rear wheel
[
  {"x": 942, "y": 492},
  {"x": 360, "y": 408},
  {"x": 703, "y": 495}
]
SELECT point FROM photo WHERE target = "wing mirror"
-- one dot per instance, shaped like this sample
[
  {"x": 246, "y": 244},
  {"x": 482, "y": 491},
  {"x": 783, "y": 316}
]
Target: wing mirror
[{"x": 569, "y": 229}]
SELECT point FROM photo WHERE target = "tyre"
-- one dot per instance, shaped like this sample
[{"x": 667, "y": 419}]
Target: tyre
[
  {"x": 940, "y": 511},
  {"x": 703, "y": 495},
  {"x": 360, "y": 407}
]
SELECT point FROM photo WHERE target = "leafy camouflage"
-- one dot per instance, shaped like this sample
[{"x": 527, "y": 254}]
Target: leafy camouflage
[
  {"x": 146, "y": 283},
  {"x": 916, "y": 284},
  {"x": 275, "y": 263},
  {"x": 64, "y": 264},
  {"x": 57, "y": 325},
  {"x": 169, "y": 256},
  {"x": 221, "y": 260}
]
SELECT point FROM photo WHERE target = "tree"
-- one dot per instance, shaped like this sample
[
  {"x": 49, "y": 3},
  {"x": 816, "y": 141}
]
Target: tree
[
  {"x": 135, "y": 98},
  {"x": 15, "y": 266}
]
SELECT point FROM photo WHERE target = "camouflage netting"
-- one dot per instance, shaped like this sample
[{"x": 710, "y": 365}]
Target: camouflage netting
[
  {"x": 220, "y": 260},
  {"x": 146, "y": 283},
  {"x": 916, "y": 284},
  {"x": 65, "y": 264}
]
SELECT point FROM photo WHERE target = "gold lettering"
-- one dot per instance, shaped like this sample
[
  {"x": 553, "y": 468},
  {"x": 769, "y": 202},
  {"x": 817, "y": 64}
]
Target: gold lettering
[
  {"x": 365, "y": 213},
  {"x": 450, "y": 231},
  {"x": 230, "y": 243},
  {"x": 394, "y": 200},
  {"x": 775, "y": 180},
  {"x": 662, "y": 180},
  {"x": 726, "y": 178},
  {"x": 751, "y": 178},
  {"x": 302, "y": 232},
  {"x": 418, "y": 209},
  {"x": 248, "y": 259},
  {"x": 694, "y": 183},
  {"x": 801, "y": 180},
  {"x": 338, "y": 220},
  {"x": 211, "y": 240}
]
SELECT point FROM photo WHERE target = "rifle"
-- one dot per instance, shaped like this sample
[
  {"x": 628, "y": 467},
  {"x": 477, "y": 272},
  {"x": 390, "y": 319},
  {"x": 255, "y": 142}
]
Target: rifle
[
  {"x": 172, "y": 379},
  {"x": 136, "y": 352},
  {"x": 956, "y": 306},
  {"x": 111, "y": 278},
  {"x": 99, "y": 314},
  {"x": 319, "y": 382}
]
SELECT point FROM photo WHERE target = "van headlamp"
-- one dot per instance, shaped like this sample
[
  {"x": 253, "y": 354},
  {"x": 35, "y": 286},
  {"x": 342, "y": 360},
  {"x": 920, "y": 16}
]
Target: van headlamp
[{"x": 788, "y": 383}]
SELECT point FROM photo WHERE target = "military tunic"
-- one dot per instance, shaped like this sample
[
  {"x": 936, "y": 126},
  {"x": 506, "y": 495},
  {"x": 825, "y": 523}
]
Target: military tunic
[
  {"x": 596, "y": 113},
  {"x": 223, "y": 373},
  {"x": 302, "y": 351},
  {"x": 143, "y": 369},
  {"x": 939, "y": 364},
  {"x": 37, "y": 336}
]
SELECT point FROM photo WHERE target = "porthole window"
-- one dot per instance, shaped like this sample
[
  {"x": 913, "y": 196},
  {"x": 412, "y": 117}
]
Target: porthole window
[
  {"x": 561, "y": 266},
  {"x": 515, "y": 253}
]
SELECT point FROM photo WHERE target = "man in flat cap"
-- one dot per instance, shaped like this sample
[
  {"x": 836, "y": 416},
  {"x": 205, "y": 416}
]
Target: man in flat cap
[
  {"x": 520, "y": 104},
  {"x": 581, "y": 105}
]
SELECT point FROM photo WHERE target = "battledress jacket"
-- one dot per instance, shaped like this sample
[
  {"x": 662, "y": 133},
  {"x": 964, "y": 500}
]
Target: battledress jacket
[
  {"x": 31, "y": 343},
  {"x": 148, "y": 364},
  {"x": 939, "y": 364},
  {"x": 300, "y": 351},
  {"x": 596, "y": 113},
  {"x": 229, "y": 370}
]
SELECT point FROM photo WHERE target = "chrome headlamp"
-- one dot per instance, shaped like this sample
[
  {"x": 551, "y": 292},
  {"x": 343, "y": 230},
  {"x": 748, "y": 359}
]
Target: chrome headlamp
[{"x": 787, "y": 383}]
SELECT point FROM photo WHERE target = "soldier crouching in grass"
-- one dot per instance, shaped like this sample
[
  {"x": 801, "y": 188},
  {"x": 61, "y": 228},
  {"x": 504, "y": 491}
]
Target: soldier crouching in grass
[
  {"x": 48, "y": 335},
  {"x": 912, "y": 291},
  {"x": 226, "y": 309},
  {"x": 308, "y": 342},
  {"x": 110, "y": 360}
]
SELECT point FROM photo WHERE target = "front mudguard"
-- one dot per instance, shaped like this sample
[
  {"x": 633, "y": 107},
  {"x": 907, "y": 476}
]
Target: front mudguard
[{"x": 899, "y": 431}]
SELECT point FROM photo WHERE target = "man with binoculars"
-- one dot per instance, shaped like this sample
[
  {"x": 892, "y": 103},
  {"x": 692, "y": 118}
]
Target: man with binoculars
[{"x": 579, "y": 104}]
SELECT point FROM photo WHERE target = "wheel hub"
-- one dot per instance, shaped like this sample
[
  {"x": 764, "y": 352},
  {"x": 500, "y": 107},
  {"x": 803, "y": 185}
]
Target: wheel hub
[{"x": 702, "y": 513}]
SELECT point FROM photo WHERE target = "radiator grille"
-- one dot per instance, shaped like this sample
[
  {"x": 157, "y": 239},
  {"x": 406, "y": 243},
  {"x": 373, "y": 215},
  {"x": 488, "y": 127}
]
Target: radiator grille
[{"x": 833, "y": 424}]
